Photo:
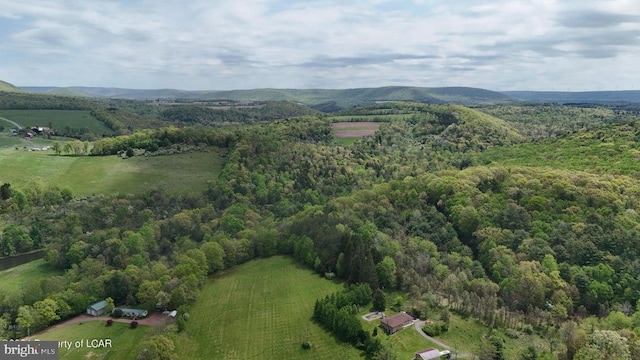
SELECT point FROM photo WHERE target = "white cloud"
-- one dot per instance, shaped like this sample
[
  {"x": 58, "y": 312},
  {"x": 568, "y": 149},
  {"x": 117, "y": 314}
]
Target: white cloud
[{"x": 226, "y": 44}]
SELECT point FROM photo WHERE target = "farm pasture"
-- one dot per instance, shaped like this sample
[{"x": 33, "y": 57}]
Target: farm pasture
[
  {"x": 261, "y": 309},
  {"x": 88, "y": 175}
]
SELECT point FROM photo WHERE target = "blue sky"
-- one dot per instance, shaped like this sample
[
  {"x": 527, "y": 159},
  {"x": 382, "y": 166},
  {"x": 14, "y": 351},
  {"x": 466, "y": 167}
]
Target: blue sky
[{"x": 225, "y": 44}]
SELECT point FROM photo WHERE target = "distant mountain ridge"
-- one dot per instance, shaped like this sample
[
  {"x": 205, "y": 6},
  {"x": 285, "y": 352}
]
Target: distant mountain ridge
[
  {"x": 564, "y": 97},
  {"x": 328, "y": 99},
  {"x": 312, "y": 97}
]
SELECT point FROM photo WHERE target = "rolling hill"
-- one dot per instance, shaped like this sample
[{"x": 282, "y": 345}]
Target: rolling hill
[
  {"x": 6, "y": 87},
  {"x": 608, "y": 149},
  {"x": 341, "y": 98}
]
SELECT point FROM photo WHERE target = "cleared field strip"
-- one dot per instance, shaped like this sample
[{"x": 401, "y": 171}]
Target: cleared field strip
[
  {"x": 354, "y": 129},
  {"x": 261, "y": 310},
  {"x": 370, "y": 118}
]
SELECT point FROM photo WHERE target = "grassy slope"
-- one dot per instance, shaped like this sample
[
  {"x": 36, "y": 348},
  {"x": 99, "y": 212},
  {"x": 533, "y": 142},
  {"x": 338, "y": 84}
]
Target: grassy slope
[
  {"x": 11, "y": 280},
  {"x": 58, "y": 118},
  {"x": 87, "y": 175},
  {"x": 5, "y": 86},
  {"x": 125, "y": 341},
  {"x": 467, "y": 335},
  {"x": 261, "y": 309},
  {"x": 8, "y": 141}
]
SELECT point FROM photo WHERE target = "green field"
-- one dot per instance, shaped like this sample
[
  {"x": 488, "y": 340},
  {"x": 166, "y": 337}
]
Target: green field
[
  {"x": 125, "y": 342},
  {"x": 56, "y": 119},
  {"x": 465, "y": 335},
  {"x": 8, "y": 141},
  {"x": 261, "y": 310},
  {"x": 87, "y": 175},
  {"x": 12, "y": 280}
]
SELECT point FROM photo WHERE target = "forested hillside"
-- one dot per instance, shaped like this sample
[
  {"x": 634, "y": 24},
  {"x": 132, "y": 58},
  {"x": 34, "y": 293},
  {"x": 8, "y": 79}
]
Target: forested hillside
[
  {"x": 440, "y": 206},
  {"x": 547, "y": 120}
]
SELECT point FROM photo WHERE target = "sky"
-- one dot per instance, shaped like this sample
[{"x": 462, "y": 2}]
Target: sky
[{"x": 562, "y": 45}]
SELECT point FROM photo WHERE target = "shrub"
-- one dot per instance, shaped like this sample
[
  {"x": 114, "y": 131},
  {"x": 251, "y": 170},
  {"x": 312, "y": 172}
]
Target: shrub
[
  {"x": 306, "y": 345},
  {"x": 182, "y": 324},
  {"x": 435, "y": 328},
  {"x": 109, "y": 322},
  {"x": 117, "y": 313},
  {"x": 416, "y": 313},
  {"x": 527, "y": 329},
  {"x": 512, "y": 333},
  {"x": 445, "y": 316},
  {"x": 134, "y": 324}
]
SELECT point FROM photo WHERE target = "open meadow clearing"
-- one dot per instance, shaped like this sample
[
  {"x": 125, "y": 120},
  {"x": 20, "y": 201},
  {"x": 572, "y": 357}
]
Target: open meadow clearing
[
  {"x": 12, "y": 280},
  {"x": 261, "y": 310},
  {"x": 88, "y": 175},
  {"x": 88, "y": 340},
  {"x": 370, "y": 118},
  {"x": 347, "y": 132},
  {"x": 57, "y": 119}
]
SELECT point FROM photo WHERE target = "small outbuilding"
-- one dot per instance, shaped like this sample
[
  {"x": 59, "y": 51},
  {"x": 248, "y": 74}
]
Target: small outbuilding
[
  {"x": 428, "y": 354},
  {"x": 396, "y": 322},
  {"x": 97, "y": 309}
]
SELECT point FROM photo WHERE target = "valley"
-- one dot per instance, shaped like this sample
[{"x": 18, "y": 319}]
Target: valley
[{"x": 509, "y": 228}]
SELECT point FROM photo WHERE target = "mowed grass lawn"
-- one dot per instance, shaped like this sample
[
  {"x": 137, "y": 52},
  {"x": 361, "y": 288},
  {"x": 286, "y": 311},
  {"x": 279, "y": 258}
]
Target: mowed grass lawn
[
  {"x": 125, "y": 342},
  {"x": 88, "y": 175},
  {"x": 12, "y": 280},
  {"x": 261, "y": 310},
  {"x": 405, "y": 343},
  {"x": 57, "y": 118}
]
